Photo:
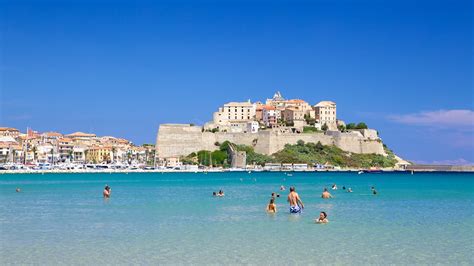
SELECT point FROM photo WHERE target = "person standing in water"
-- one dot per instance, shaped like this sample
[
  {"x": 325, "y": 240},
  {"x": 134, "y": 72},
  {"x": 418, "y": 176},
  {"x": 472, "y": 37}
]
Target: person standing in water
[
  {"x": 326, "y": 194},
  {"x": 106, "y": 193},
  {"x": 271, "y": 207},
  {"x": 296, "y": 205}
]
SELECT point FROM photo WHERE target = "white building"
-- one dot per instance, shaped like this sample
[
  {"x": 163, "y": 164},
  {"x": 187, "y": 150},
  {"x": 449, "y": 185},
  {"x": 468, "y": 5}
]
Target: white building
[
  {"x": 326, "y": 114},
  {"x": 235, "y": 112},
  {"x": 252, "y": 127}
]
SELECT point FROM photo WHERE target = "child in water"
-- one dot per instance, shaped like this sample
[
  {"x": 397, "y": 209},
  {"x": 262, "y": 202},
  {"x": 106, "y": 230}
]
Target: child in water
[{"x": 271, "y": 207}]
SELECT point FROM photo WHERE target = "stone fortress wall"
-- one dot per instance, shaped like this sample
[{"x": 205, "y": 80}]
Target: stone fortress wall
[{"x": 175, "y": 140}]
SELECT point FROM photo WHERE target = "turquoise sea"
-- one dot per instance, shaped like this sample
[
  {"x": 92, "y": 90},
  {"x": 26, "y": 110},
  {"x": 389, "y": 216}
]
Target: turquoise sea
[{"x": 172, "y": 218}]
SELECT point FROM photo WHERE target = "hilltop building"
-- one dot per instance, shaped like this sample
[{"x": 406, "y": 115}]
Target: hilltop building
[{"x": 326, "y": 114}]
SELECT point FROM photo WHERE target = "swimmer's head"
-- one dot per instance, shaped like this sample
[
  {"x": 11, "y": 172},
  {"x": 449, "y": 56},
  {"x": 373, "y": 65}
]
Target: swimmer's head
[
  {"x": 325, "y": 189},
  {"x": 292, "y": 189},
  {"x": 273, "y": 194},
  {"x": 323, "y": 215}
]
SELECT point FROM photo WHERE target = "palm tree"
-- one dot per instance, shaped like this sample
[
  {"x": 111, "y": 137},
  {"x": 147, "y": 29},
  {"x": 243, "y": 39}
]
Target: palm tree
[
  {"x": 70, "y": 155},
  {"x": 114, "y": 150},
  {"x": 34, "y": 149}
]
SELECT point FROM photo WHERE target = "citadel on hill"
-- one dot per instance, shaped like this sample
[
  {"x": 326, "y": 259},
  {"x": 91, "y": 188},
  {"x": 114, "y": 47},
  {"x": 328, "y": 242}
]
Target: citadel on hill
[{"x": 267, "y": 128}]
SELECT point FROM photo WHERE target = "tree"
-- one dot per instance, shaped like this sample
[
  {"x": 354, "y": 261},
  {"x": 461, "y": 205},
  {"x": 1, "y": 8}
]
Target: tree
[
  {"x": 300, "y": 143},
  {"x": 361, "y": 125},
  {"x": 341, "y": 128},
  {"x": 114, "y": 153},
  {"x": 34, "y": 149},
  {"x": 325, "y": 127},
  {"x": 351, "y": 126},
  {"x": 69, "y": 153},
  {"x": 319, "y": 146},
  {"x": 310, "y": 121}
]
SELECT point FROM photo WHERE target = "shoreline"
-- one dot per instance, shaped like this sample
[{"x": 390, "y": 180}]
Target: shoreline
[{"x": 127, "y": 171}]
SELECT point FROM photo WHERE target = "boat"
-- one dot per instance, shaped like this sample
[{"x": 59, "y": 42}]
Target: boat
[
  {"x": 373, "y": 170},
  {"x": 237, "y": 170},
  {"x": 360, "y": 172}
]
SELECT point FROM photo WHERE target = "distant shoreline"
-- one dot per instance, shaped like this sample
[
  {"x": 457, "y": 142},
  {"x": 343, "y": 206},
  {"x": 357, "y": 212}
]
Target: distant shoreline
[{"x": 90, "y": 171}]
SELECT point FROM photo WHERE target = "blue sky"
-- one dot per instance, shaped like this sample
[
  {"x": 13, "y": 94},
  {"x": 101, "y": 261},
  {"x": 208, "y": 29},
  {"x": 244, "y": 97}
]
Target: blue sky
[{"x": 122, "y": 68}]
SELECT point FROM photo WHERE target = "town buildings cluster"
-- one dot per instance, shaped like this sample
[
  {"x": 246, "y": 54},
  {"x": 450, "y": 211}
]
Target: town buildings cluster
[
  {"x": 53, "y": 147},
  {"x": 277, "y": 112}
]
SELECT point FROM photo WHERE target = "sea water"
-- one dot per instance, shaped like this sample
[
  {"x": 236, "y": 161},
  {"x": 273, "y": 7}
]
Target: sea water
[{"x": 172, "y": 218}]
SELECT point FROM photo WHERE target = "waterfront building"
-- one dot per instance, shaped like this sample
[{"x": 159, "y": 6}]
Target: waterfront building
[
  {"x": 99, "y": 154},
  {"x": 65, "y": 149},
  {"x": 50, "y": 137},
  {"x": 79, "y": 154},
  {"x": 9, "y": 132},
  {"x": 81, "y": 138}
]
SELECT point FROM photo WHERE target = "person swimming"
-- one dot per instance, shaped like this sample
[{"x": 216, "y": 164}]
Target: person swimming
[
  {"x": 349, "y": 190},
  {"x": 296, "y": 205},
  {"x": 322, "y": 218},
  {"x": 282, "y": 188},
  {"x": 374, "y": 191},
  {"x": 334, "y": 187},
  {"x": 214, "y": 194},
  {"x": 107, "y": 191},
  {"x": 271, "y": 207},
  {"x": 275, "y": 195},
  {"x": 343, "y": 187},
  {"x": 221, "y": 193},
  {"x": 326, "y": 194}
]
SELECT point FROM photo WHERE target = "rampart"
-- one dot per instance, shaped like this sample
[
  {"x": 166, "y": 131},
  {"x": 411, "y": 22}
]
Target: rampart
[{"x": 174, "y": 140}]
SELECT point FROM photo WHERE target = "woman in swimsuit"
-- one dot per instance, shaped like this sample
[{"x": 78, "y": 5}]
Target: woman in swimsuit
[{"x": 322, "y": 218}]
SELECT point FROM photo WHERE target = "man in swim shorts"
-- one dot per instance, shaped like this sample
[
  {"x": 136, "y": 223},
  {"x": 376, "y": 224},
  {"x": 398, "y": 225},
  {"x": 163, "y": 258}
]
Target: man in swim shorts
[{"x": 296, "y": 205}]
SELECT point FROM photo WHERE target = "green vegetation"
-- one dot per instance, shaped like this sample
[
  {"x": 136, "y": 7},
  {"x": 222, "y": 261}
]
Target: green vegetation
[
  {"x": 309, "y": 153},
  {"x": 310, "y": 121},
  {"x": 214, "y": 130},
  {"x": 324, "y": 127},
  {"x": 312, "y": 153},
  {"x": 310, "y": 129},
  {"x": 252, "y": 156},
  {"x": 360, "y": 125},
  {"x": 218, "y": 158}
]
